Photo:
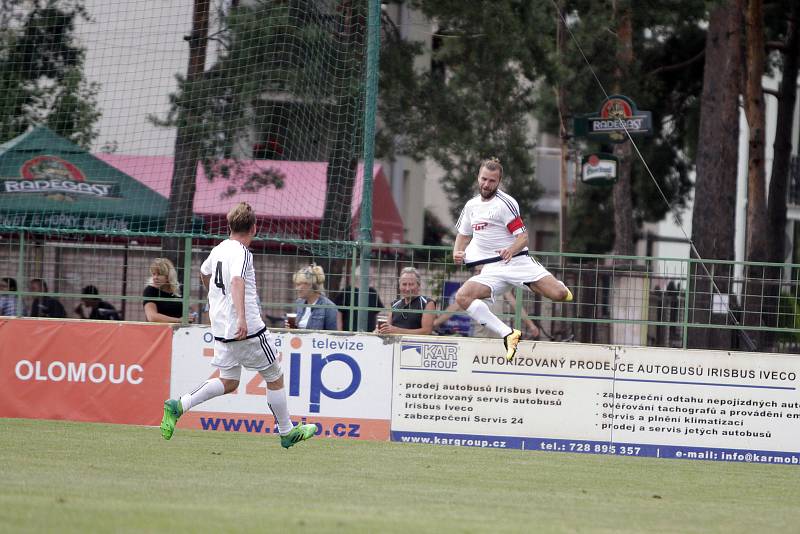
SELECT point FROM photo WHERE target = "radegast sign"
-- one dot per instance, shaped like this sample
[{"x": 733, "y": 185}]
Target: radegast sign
[
  {"x": 54, "y": 176},
  {"x": 617, "y": 115}
]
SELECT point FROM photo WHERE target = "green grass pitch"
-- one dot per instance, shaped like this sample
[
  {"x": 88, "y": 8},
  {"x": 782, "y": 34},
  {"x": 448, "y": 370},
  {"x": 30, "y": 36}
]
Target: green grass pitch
[{"x": 77, "y": 477}]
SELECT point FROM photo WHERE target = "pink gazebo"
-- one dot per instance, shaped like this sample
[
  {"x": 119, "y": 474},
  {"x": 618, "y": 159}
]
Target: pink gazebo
[{"x": 295, "y": 210}]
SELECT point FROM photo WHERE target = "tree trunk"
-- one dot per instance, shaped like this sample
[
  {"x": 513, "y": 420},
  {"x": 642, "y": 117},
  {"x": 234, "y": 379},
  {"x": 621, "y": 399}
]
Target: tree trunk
[
  {"x": 782, "y": 149},
  {"x": 623, "y": 199},
  {"x": 756, "y": 121},
  {"x": 717, "y": 155},
  {"x": 623, "y": 203},
  {"x": 180, "y": 211},
  {"x": 754, "y": 300},
  {"x": 779, "y": 178}
]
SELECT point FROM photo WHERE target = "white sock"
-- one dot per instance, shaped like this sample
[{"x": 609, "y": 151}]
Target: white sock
[
  {"x": 276, "y": 400},
  {"x": 213, "y": 387},
  {"x": 481, "y": 313}
]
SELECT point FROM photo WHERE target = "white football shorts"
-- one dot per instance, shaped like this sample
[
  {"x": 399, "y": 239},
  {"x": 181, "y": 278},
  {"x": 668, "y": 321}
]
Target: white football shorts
[
  {"x": 256, "y": 353},
  {"x": 501, "y": 277}
]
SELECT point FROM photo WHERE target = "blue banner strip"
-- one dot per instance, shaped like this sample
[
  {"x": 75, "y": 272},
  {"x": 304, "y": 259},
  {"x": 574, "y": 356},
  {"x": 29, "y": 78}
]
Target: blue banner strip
[{"x": 599, "y": 447}]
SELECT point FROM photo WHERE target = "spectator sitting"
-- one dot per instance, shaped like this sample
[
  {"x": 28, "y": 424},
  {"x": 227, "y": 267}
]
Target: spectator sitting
[
  {"x": 163, "y": 284},
  {"x": 8, "y": 303},
  {"x": 403, "y": 321},
  {"x": 308, "y": 282},
  {"x": 343, "y": 301},
  {"x": 98, "y": 309},
  {"x": 44, "y": 305}
]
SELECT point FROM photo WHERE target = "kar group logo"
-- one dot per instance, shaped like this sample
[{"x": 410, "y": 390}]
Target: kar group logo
[{"x": 429, "y": 356}]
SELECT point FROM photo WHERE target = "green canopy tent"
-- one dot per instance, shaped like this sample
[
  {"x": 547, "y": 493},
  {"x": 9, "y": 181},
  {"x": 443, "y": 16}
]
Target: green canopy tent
[{"x": 48, "y": 183}]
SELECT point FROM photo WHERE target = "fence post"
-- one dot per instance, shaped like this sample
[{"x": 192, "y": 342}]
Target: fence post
[
  {"x": 187, "y": 279},
  {"x": 20, "y": 272},
  {"x": 517, "y": 308},
  {"x": 370, "y": 108},
  {"x": 686, "y": 304}
]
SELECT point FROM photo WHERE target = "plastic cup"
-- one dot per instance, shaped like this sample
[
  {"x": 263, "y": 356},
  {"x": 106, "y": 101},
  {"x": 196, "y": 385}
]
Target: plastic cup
[{"x": 291, "y": 320}]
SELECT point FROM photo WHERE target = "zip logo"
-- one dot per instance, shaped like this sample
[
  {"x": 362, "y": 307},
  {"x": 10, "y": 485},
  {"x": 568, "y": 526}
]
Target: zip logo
[{"x": 317, "y": 387}]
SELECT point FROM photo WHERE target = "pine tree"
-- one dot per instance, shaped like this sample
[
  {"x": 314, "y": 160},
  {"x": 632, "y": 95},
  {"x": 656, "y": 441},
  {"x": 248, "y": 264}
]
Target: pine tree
[{"x": 41, "y": 71}]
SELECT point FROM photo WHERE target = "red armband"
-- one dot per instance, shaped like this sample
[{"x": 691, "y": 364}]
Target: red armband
[{"x": 515, "y": 225}]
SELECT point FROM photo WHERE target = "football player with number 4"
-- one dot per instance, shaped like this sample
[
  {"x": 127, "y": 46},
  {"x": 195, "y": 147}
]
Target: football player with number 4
[
  {"x": 491, "y": 233},
  {"x": 241, "y": 338}
]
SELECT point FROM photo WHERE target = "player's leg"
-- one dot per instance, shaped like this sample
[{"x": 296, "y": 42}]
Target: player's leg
[
  {"x": 470, "y": 297},
  {"x": 549, "y": 286},
  {"x": 263, "y": 359},
  {"x": 229, "y": 372},
  {"x": 276, "y": 400},
  {"x": 213, "y": 387}
]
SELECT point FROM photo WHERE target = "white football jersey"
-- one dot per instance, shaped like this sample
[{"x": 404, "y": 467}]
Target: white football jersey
[
  {"x": 228, "y": 259},
  {"x": 493, "y": 225}
]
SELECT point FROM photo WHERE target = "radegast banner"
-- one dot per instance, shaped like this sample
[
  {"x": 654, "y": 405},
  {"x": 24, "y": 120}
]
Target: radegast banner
[
  {"x": 665, "y": 403},
  {"x": 340, "y": 382}
]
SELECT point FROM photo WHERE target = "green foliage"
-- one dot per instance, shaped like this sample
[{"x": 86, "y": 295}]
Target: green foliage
[
  {"x": 435, "y": 233},
  {"x": 494, "y": 66},
  {"x": 665, "y": 78},
  {"x": 277, "y": 52},
  {"x": 590, "y": 225},
  {"x": 477, "y": 98},
  {"x": 41, "y": 71}
]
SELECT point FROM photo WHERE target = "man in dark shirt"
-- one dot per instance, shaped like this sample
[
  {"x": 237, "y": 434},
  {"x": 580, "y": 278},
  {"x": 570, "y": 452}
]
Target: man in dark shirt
[
  {"x": 98, "y": 309},
  {"x": 44, "y": 306},
  {"x": 342, "y": 300}
]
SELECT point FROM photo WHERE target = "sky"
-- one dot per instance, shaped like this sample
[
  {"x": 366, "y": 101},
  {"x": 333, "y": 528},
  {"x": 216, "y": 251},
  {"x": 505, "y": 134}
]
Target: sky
[{"x": 134, "y": 49}]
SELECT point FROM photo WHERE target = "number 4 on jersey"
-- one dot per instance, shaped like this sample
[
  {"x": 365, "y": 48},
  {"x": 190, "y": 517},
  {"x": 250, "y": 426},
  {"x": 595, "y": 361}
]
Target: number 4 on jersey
[{"x": 218, "y": 277}]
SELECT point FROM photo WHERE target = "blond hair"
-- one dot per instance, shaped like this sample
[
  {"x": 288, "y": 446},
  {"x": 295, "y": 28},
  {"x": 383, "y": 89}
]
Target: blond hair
[
  {"x": 164, "y": 267},
  {"x": 492, "y": 164},
  {"x": 313, "y": 274},
  {"x": 241, "y": 218}
]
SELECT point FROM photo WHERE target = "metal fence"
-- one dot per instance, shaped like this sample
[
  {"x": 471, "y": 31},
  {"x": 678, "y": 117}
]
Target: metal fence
[{"x": 619, "y": 300}]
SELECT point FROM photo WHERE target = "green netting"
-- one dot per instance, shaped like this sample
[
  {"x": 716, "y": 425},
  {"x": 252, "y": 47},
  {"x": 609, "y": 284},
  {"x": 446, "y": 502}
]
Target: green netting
[{"x": 149, "y": 117}]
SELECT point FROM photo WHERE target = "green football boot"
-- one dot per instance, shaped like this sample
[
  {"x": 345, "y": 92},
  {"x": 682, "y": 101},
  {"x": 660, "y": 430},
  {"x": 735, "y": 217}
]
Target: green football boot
[
  {"x": 172, "y": 412},
  {"x": 297, "y": 434}
]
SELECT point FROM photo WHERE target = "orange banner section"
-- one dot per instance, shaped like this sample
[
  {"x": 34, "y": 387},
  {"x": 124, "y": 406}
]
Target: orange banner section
[
  {"x": 332, "y": 427},
  {"x": 84, "y": 370}
]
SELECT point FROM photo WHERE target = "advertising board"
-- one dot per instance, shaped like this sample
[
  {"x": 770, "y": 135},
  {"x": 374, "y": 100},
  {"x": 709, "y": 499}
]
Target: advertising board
[
  {"x": 98, "y": 371},
  {"x": 598, "y": 399},
  {"x": 341, "y": 382}
]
